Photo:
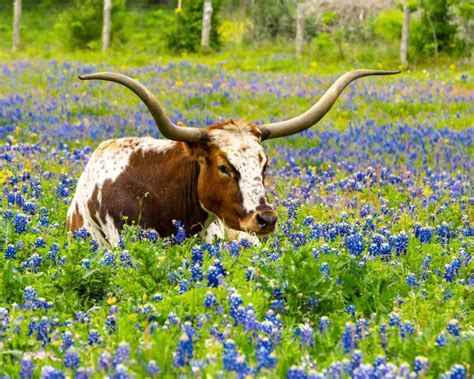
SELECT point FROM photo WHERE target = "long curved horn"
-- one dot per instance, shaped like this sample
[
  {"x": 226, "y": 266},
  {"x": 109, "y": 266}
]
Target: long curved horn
[
  {"x": 318, "y": 110},
  {"x": 164, "y": 124}
]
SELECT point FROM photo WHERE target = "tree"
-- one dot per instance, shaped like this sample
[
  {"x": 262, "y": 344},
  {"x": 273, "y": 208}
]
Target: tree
[
  {"x": 16, "y": 24},
  {"x": 107, "y": 24},
  {"x": 405, "y": 34}
]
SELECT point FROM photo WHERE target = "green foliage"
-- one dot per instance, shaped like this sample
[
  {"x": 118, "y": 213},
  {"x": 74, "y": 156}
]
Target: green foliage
[
  {"x": 388, "y": 25},
  {"x": 185, "y": 33},
  {"x": 270, "y": 19},
  {"x": 436, "y": 31},
  {"x": 81, "y": 25}
]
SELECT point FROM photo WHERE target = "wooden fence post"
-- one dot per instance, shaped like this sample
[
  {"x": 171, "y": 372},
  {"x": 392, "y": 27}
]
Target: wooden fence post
[
  {"x": 107, "y": 24},
  {"x": 300, "y": 13},
  {"x": 206, "y": 24},
  {"x": 16, "y": 24},
  {"x": 405, "y": 35}
]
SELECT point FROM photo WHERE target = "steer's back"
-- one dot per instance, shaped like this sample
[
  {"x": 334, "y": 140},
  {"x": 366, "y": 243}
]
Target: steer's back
[{"x": 107, "y": 163}]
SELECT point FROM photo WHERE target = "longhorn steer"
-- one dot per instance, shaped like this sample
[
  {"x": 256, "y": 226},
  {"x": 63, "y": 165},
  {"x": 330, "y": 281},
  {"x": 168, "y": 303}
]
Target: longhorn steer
[{"x": 202, "y": 177}]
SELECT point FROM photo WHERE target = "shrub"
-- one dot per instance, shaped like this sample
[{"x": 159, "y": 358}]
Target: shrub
[
  {"x": 436, "y": 31},
  {"x": 388, "y": 25},
  {"x": 270, "y": 19},
  {"x": 81, "y": 26},
  {"x": 185, "y": 35}
]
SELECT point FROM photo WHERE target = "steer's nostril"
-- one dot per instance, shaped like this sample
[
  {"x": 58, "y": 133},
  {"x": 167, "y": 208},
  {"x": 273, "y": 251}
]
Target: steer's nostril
[{"x": 266, "y": 219}]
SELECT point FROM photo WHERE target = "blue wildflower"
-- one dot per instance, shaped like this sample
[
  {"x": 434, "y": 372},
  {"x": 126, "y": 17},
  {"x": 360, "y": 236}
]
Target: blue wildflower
[
  {"x": 27, "y": 367},
  {"x": 20, "y": 222},
  {"x": 441, "y": 340},
  {"x": 184, "y": 351},
  {"x": 453, "y": 327},
  {"x": 354, "y": 244},
  {"x": 10, "y": 252},
  {"x": 71, "y": 358}
]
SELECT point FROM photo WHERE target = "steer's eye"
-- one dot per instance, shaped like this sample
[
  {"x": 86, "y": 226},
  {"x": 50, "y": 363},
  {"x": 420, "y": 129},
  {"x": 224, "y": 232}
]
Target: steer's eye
[{"x": 224, "y": 169}]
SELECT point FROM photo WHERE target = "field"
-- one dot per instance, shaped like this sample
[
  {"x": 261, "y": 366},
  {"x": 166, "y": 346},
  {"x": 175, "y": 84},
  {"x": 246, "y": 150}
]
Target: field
[{"x": 369, "y": 273}]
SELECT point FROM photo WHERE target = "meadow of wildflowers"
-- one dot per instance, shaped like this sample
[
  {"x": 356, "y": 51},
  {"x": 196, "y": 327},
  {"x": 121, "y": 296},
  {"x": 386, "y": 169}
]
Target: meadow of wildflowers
[{"x": 369, "y": 273}]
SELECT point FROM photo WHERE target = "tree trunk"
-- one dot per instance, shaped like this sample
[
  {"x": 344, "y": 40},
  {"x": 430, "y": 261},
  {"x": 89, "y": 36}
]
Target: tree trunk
[
  {"x": 405, "y": 35},
  {"x": 107, "y": 24},
  {"x": 300, "y": 13},
  {"x": 206, "y": 24},
  {"x": 16, "y": 24}
]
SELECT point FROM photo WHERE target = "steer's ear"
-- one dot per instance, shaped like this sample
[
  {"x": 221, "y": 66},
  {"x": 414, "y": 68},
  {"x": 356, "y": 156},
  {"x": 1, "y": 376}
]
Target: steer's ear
[{"x": 198, "y": 150}]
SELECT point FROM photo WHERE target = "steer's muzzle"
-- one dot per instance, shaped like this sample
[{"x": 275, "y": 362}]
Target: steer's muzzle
[{"x": 261, "y": 222}]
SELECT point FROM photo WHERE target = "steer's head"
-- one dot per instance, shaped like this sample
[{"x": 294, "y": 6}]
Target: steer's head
[
  {"x": 232, "y": 169},
  {"x": 232, "y": 161}
]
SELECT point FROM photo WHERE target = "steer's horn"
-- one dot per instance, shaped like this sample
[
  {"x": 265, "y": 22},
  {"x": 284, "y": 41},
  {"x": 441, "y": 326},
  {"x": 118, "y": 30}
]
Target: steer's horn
[
  {"x": 318, "y": 110},
  {"x": 164, "y": 124}
]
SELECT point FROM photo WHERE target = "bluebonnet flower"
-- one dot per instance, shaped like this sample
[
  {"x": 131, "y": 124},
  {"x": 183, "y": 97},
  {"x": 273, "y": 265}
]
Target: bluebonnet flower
[
  {"x": 424, "y": 234},
  {"x": 295, "y": 372},
  {"x": 457, "y": 371},
  {"x": 27, "y": 367},
  {"x": 126, "y": 259},
  {"x": 183, "y": 286},
  {"x": 184, "y": 351},
  {"x": 313, "y": 303},
  {"x": 71, "y": 358},
  {"x": 151, "y": 235},
  {"x": 235, "y": 300},
  {"x": 444, "y": 233},
  {"x": 82, "y": 317},
  {"x": 250, "y": 273},
  {"x": 83, "y": 373},
  {"x": 210, "y": 300},
  {"x": 20, "y": 222},
  {"x": 67, "y": 340},
  {"x": 215, "y": 273},
  {"x": 324, "y": 269},
  {"x": 305, "y": 332},
  {"x": 421, "y": 365},
  {"x": 108, "y": 259},
  {"x": 234, "y": 248},
  {"x": 105, "y": 361},
  {"x": 354, "y": 244},
  {"x": 196, "y": 273},
  {"x": 229, "y": 356},
  {"x": 394, "y": 319},
  {"x": 121, "y": 372},
  {"x": 452, "y": 269},
  {"x": 324, "y": 324},
  {"x": 157, "y": 297},
  {"x": 53, "y": 254},
  {"x": 197, "y": 255},
  {"x": 441, "y": 340},
  {"x": 356, "y": 359},
  {"x": 93, "y": 337},
  {"x": 122, "y": 354},
  {"x": 153, "y": 368},
  {"x": 48, "y": 372},
  {"x": 29, "y": 293},
  {"x": 348, "y": 337},
  {"x": 40, "y": 242},
  {"x": 453, "y": 327},
  {"x": 265, "y": 357},
  {"x": 110, "y": 323},
  {"x": 10, "y": 252},
  {"x": 426, "y": 263},
  {"x": 411, "y": 280},
  {"x": 351, "y": 310},
  {"x": 86, "y": 264},
  {"x": 180, "y": 236},
  {"x": 81, "y": 234}
]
